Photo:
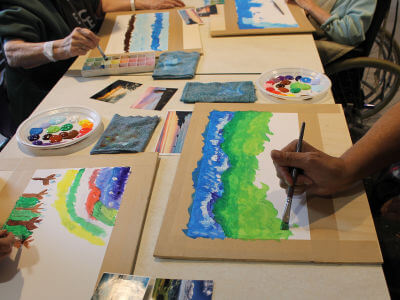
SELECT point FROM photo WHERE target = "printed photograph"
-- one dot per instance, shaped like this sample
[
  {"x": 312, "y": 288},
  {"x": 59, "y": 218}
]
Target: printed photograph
[
  {"x": 121, "y": 287},
  {"x": 206, "y": 11},
  {"x": 174, "y": 132},
  {"x": 175, "y": 289},
  {"x": 190, "y": 16},
  {"x": 155, "y": 98},
  {"x": 116, "y": 91}
]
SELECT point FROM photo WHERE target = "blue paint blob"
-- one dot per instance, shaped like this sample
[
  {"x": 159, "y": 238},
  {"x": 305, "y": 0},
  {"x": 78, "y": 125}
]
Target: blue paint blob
[
  {"x": 37, "y": 142},
  {"x": 33, "y": 137},
  {"x": 289, "y": 77},
  {"x": 298, "y": 78},
  {"x": 305, "y": 79}
]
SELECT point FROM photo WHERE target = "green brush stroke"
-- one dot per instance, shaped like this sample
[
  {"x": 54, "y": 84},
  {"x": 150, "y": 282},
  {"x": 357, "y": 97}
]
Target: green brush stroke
[
  {"x": 22, "y": 215},
  {"x": 70, "y": 203},
  {"x": 243, "y": 210},
  {"x": 104, "y": 214},
  {"x": 27, "y": 202},
  {"x": 19, "y": 231}
]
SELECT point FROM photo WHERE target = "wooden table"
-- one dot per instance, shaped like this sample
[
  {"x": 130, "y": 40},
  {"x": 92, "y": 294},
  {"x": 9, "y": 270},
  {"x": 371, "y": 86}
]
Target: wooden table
[{"x": 233, "y": 280}]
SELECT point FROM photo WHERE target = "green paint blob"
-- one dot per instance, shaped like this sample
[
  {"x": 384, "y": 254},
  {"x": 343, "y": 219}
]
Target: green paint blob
[
  {"x": 26, "y": 202},
  {"x": 19, "y": 231},
  {"x": 305, "y": 86},
  {"x": 243, "y": 211},
  {"x": 295, "y": 90},
  {"x": 66, "y": 127},
  {"x": 104, "y": 214},
  {"x": 53, "y": 129},
  {"x": 295, "y": 85}
]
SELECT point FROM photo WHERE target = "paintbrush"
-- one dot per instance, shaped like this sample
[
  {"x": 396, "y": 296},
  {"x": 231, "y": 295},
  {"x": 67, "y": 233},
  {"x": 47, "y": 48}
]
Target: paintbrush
[
  {"x": 278, "y": 7},
  {"x": 83, "y": 24},
  {"x": 294, "y": 173}
]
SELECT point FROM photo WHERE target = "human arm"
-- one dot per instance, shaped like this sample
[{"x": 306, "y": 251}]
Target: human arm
[
  {"x": 346, "y": 23},
  {"x": 325, "y": 174},
  {"x": 7, "y": 241},
  {"x": 123, "y": 5},
  {"x": 319, "y": 14},
  {"x": 29, "y": 55}
]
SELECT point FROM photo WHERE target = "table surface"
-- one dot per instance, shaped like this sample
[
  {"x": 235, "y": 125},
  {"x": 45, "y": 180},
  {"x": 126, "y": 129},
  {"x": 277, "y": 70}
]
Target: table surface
[{"x": 233, "y": 280}]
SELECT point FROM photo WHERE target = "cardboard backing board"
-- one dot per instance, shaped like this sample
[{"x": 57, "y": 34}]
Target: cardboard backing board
[
  {"x": 123, "y": 244},
  {"x": 225, "y": 22},
  {"x": 181, "y": 37},
  {"x": 341, "y": 228}
]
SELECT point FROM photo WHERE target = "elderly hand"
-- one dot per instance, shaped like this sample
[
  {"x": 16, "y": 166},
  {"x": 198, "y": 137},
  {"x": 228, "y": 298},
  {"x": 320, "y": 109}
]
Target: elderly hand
[
  {"x": 79, "y": 42},
  {"x": 158, "y": 4},
  {"x": 7, "y": 241},
  {"x": 322, "y": 174}
]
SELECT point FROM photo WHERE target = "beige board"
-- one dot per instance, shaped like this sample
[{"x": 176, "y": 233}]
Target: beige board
[
  {"x": 341, "y": 228},
  {"x": 225, "y": 22},
  {"x": 181, "y": 37},
  {"x": 124, "y": 241}
]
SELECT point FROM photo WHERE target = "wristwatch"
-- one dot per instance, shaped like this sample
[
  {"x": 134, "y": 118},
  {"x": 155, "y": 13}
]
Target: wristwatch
[{"x": 48, "y": 51}]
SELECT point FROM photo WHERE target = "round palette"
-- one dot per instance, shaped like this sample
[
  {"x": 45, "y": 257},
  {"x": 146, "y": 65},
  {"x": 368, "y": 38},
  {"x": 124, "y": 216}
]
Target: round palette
[
  {"x": 293, "y": 85},
  {"x": 58, "y": 127}
]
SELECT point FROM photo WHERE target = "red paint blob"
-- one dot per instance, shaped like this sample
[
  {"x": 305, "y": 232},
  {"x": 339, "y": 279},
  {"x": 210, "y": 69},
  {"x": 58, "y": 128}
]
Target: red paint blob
[
  {"x": 284, "y": 90},
  {"x": 55, "y": 138},
  {"x": 270, "y": 89},
  {"x": 85, "y": 130}
]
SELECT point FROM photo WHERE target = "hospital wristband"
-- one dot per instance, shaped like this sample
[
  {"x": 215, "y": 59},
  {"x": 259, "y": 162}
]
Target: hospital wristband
[{"x": 48, "y": 51}]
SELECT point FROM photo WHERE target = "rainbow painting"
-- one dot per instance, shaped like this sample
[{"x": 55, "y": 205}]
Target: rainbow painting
[
  {"x": 85, "y": 201},
  {"x": 88, "y": 200},
  {"x": 174, "y": 132},
  {"x": 236, "y": 192}
]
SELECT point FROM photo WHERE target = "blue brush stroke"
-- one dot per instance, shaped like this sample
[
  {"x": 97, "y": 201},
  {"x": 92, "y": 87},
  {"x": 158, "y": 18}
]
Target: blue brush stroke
[
  {"x": 111, "y": 183},
  {"x": 245, "y": 17},
  {"x": 207, "y": 180}
]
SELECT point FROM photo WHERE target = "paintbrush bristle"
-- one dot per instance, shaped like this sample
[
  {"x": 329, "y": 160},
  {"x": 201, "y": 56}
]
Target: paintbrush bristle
[{"x": 284, "y": 226}]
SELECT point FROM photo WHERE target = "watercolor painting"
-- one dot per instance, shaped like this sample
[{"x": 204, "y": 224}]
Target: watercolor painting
[
  {"x": 176, "y": 289},
  {"x": 190, "y": 16},
  {"x": 121, "y": 286},
  {"x": 174, "y": 132},
  {"x": 236, "y": 192},
  {"x": 139, "y": 33},
  {"x": 116, "y": 91},
  {"x": 256, "y": 14},
  {"x": 85, "y": 201},
  {"x": 89, "y": 199},
  {"x": 155, "y": 98}
]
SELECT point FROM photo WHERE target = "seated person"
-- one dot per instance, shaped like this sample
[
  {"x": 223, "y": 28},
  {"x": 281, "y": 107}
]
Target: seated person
[
  {"x": 341, "y": 24},
  {"x": 42, "y": 37}
]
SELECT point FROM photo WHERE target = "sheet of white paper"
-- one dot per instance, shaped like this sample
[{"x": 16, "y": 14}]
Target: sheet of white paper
[{"x": 58, "y": 264}]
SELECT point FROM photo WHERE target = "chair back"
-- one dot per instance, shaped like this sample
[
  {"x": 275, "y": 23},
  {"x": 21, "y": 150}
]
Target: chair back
[{"x": 382, "y": 8}]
